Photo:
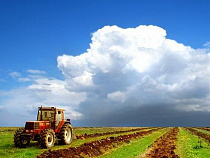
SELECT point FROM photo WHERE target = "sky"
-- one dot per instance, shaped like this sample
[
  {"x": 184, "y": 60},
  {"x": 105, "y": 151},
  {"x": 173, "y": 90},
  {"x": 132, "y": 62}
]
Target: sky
[{"x": 107, "y": 63}]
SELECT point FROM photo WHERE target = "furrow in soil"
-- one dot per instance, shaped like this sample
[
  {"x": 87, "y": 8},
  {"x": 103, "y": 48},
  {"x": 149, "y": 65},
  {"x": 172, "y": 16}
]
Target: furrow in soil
[
  {"x": 95, "y": 148},
  {"x": 200, "y": 134},
  {"x": 164, "y": 146}
]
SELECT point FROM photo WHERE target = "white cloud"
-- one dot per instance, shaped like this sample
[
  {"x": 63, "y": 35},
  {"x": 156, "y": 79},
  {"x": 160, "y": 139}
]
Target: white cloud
[
  {"x": 36, "y": 71},
  {"x": 24, "y": 79},
  {"x": 15, "y": 74},
  {"x": 53, "y": 91},
  {"x": 207, "y": 44},
  {"x": 42, "y": 91},
  {"x": 33, "y": 74},
  {"x": 117, "y": 96},
  {"x": 123, "y": 69},
  {"x": 138, "y": 63},
  {"x": 84, "y": 80},
  {"x": 194, "y": 107}
]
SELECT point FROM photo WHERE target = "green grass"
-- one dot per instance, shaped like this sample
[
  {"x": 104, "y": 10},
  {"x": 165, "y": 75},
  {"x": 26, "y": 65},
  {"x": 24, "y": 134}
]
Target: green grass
[
  {"x": 202, "y": 130},
  {"x": 187, "y": 143},
  {"x": 6, "y": 129},
  {"x": 135, "y": 147},
  {"x": 8, "y": 150}
]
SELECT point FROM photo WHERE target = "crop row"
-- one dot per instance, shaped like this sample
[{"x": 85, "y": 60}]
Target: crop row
[
  {"x": 118, "y": 142},
  {"x": 85, "y": 136},
  {"x": 94, "y": 148},
  {"x": 200, "y": 134},
  {"x": 204, "y": 128},
  {"x": 164, "y": 146}
]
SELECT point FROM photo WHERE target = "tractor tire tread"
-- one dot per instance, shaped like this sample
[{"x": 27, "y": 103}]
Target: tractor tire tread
[
  {"x": 17, "y": 138},
  {"x": 43, "y": 138},
  {"x": 62, "y": 134}
]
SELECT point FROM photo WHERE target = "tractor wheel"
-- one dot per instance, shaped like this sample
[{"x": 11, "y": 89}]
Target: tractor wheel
[
  {"x": 19, "y": 140},
  {"x": 47, "y": 138},
  {"x": 66, "y": 134}
]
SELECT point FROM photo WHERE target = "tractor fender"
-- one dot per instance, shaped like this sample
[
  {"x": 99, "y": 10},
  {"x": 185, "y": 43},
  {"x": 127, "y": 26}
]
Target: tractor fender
[{"x": 61, "y": 123}]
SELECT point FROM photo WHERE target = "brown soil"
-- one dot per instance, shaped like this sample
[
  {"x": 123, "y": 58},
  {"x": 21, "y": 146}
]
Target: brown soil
[
  {"x": 200, "y": 134},
  {"x": 204, "y": 128},
  {"x": 85, "y": 136},
  {"x": 94, "y": 148},
  {"x": 164, "y": 146}
]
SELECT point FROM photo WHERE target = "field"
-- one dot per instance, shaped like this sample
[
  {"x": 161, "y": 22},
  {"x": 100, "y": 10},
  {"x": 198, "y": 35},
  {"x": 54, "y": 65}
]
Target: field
[{"x": 116, "y": 142}]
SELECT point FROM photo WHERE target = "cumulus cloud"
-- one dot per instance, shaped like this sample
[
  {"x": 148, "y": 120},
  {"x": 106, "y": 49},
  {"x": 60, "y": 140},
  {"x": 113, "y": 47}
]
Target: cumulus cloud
[
  {"x": 137, "y": 67},
  {"x": 127, "y": 76}
]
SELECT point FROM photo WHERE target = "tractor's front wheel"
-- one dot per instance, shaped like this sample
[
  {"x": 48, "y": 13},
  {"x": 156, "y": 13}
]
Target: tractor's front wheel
[
  {"x": 19, "y": 140},
  {"x": 66, "y": 134},
  {"x": 47, "y": 138}
]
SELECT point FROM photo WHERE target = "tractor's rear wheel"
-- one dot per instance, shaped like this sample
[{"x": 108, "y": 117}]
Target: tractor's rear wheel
[
  {"x": 20, "y": 140},
  {"x": 47, "y": 138},
  {"x": 66, "y": 134}
]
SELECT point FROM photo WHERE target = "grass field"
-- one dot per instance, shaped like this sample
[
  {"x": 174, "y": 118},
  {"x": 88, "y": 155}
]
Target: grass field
[
  {"x": 189, "y": 145},
  {"x": 133, "y": 144},
  {"x": 7, "y": 148}
]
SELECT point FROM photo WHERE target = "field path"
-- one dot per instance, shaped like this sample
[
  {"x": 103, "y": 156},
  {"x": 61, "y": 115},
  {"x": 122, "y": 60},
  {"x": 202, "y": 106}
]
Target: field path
[{"x": 164, "y": 146}]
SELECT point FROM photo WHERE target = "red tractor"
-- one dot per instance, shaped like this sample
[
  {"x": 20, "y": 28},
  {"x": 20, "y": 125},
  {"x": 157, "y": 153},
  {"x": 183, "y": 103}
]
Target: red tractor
[{"x": 50, "y": 125}]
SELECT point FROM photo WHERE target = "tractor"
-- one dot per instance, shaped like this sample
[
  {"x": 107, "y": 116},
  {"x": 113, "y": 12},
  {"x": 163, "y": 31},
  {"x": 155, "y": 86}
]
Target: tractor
[{"x": 50, "y": 126}]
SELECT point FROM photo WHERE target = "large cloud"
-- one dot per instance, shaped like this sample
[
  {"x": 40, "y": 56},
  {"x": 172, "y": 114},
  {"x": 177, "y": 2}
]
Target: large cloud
[
  {"x": 137, "y": 67},
  {"x": 133, "y": 76}
]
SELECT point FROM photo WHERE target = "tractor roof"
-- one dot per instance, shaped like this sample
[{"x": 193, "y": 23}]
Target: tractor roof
[{"x": 50, "y": 108}]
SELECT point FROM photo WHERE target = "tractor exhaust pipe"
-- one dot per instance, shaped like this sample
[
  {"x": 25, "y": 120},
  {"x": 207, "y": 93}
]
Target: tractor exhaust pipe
[{"x": 41, "y": 112}]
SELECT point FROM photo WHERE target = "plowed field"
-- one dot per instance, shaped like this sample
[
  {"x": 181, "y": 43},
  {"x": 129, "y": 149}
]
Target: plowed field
[
  {"x": 200, "y": 134},
  {"x": 164, "y": 146},
  {"x": 117, "y": 142},
  {"x": 94, "y": 148},
  {"x": 85, "y": 136}
]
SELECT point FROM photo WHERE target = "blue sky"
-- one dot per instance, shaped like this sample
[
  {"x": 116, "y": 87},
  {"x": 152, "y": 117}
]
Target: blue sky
[{"x": 34, "y": 33}]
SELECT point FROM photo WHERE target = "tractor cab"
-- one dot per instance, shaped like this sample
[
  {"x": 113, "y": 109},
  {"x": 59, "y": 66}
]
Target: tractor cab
[
  {"x": 51, "y": 114},
  {"x": 50, "y": 125}
]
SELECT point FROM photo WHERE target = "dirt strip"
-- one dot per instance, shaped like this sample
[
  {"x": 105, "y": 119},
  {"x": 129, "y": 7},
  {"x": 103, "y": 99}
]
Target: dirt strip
[
  {"x": 85, "y": 136},
  {"x": 200, "y": 134},
  {"x": 164, "y": 146},
  {"x": 204, "y": 128},
  {"x": 94, "y": 148}
]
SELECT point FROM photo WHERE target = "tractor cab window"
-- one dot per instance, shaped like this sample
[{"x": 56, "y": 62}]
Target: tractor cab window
[
  {"x": 46, "y": 115},
  {"x": 58, "y": 117}
]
